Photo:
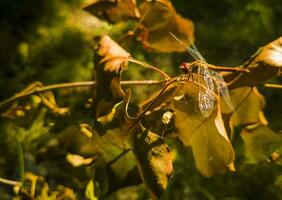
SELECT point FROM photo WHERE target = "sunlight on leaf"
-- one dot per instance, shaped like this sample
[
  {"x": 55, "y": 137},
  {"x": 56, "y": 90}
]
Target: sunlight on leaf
[
  {"x": 248, "y": 103},
  {"x": 207, "y": 137},
  {"x": 108, "y": 71},
  {"x": 77, "y": 160},
  {"x": 263, "y": 65},
  {"x": 90, "y": 191}
]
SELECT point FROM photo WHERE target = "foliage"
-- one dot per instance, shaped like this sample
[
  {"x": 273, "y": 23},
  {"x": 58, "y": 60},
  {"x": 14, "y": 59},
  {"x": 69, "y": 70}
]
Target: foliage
[{"x": 120, "y": 135}]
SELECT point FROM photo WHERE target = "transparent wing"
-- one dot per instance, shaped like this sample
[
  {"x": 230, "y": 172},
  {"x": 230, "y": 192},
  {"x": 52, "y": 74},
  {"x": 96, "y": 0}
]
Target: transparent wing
[
  {"x": 222, "y": 88},
  {"x": 193, "y": 51},
  {"x": 206, "y": 90}
]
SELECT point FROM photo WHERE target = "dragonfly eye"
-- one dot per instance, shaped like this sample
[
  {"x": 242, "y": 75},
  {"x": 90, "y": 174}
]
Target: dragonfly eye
[{"x": 185, "y": 68}]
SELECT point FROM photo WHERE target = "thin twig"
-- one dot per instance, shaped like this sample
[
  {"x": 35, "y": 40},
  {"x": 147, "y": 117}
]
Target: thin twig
[
  {"x": 166, "y": 76},
  {"x": 70, "y": 85},
  {"x": 9, "y": 182},
  {"x": 271, "y": 85},
  {"x": 130, "y": 59}
]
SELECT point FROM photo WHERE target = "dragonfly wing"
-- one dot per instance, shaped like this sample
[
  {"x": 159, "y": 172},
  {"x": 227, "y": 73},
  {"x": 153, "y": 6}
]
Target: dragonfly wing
[
  {"x": 206, "y": 90},
  {"x": 222, "y": 88}
]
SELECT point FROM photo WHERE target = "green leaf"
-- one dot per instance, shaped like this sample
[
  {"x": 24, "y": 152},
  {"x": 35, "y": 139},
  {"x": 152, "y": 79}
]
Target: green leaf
[
  {"x": 90, "y": 191},
  {"x": 116, "y": 151}
]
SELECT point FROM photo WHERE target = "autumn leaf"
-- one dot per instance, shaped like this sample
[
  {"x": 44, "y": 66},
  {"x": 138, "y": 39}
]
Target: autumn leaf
[
  {"x": 109, "y": 60},
  {"x": 265, "y": 64},
  {"x": 207, "y": 137},
  {"x": 262, "y": 144},
  {"x": 153, "y": 160},
  {"x": 160, "y": 18},
  {"x": 248, "y": 103},
  {"x": 112, "y": 10}
]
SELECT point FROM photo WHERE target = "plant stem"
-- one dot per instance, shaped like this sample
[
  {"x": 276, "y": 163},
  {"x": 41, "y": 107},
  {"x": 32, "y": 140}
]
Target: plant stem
[
  {"x": 271, "y": 85},
  {"x": 70, "y": 85},
  {"x": 9, "y": 182}
]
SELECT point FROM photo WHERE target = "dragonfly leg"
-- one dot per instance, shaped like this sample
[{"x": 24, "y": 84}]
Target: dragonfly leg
[
  {"x": 188, "y": 78},
  {"x": 192, "y": 77}
]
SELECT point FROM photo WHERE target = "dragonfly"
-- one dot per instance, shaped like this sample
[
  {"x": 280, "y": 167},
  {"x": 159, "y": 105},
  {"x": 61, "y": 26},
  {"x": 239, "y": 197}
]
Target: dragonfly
[{"x": 208, "y": 79}]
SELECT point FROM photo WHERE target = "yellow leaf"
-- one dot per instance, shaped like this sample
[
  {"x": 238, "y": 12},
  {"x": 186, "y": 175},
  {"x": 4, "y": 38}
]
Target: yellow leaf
[
  {"x": 248, "y": 103},
  {"x": 77, "y": 160},
  {"x": 207, "y": 137},
  {"x": 89, "y": 191}
]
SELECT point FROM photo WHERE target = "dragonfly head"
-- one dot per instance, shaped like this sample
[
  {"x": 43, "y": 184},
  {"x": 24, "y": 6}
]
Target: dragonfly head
[{"x": 186, "y": 68}]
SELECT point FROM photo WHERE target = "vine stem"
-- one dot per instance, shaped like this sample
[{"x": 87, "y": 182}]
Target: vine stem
[{"x": 38, "y": 90}]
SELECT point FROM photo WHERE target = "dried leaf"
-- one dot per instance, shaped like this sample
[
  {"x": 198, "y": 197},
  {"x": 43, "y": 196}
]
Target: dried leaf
[
  {"x": 77, "y": 160},
  {"x": 262, "y": 144},
  {"x": 207, "y": 137},
  {"x": 154, "y": 160},
  {"x": 110, "y": 60},
  {"x": 263, "y": 65},
  {"x": 113, "y": 10},
  {"x": 160, "y": 18}
]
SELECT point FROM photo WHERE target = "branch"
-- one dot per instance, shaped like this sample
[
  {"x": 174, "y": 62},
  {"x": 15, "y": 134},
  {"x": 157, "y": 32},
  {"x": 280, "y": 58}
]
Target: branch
[{"x": 70, "y": 85}]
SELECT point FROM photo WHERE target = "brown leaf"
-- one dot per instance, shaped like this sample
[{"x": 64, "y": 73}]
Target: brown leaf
[
  {"x": 113, "y": 10},
  {"x": 160, "y": 18},
  {"x": 154, "y": 160},
  {"x": 207, "y": 137},
  {"x": 109, "y": 60},
  {"x": 263, "y": 65}
]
